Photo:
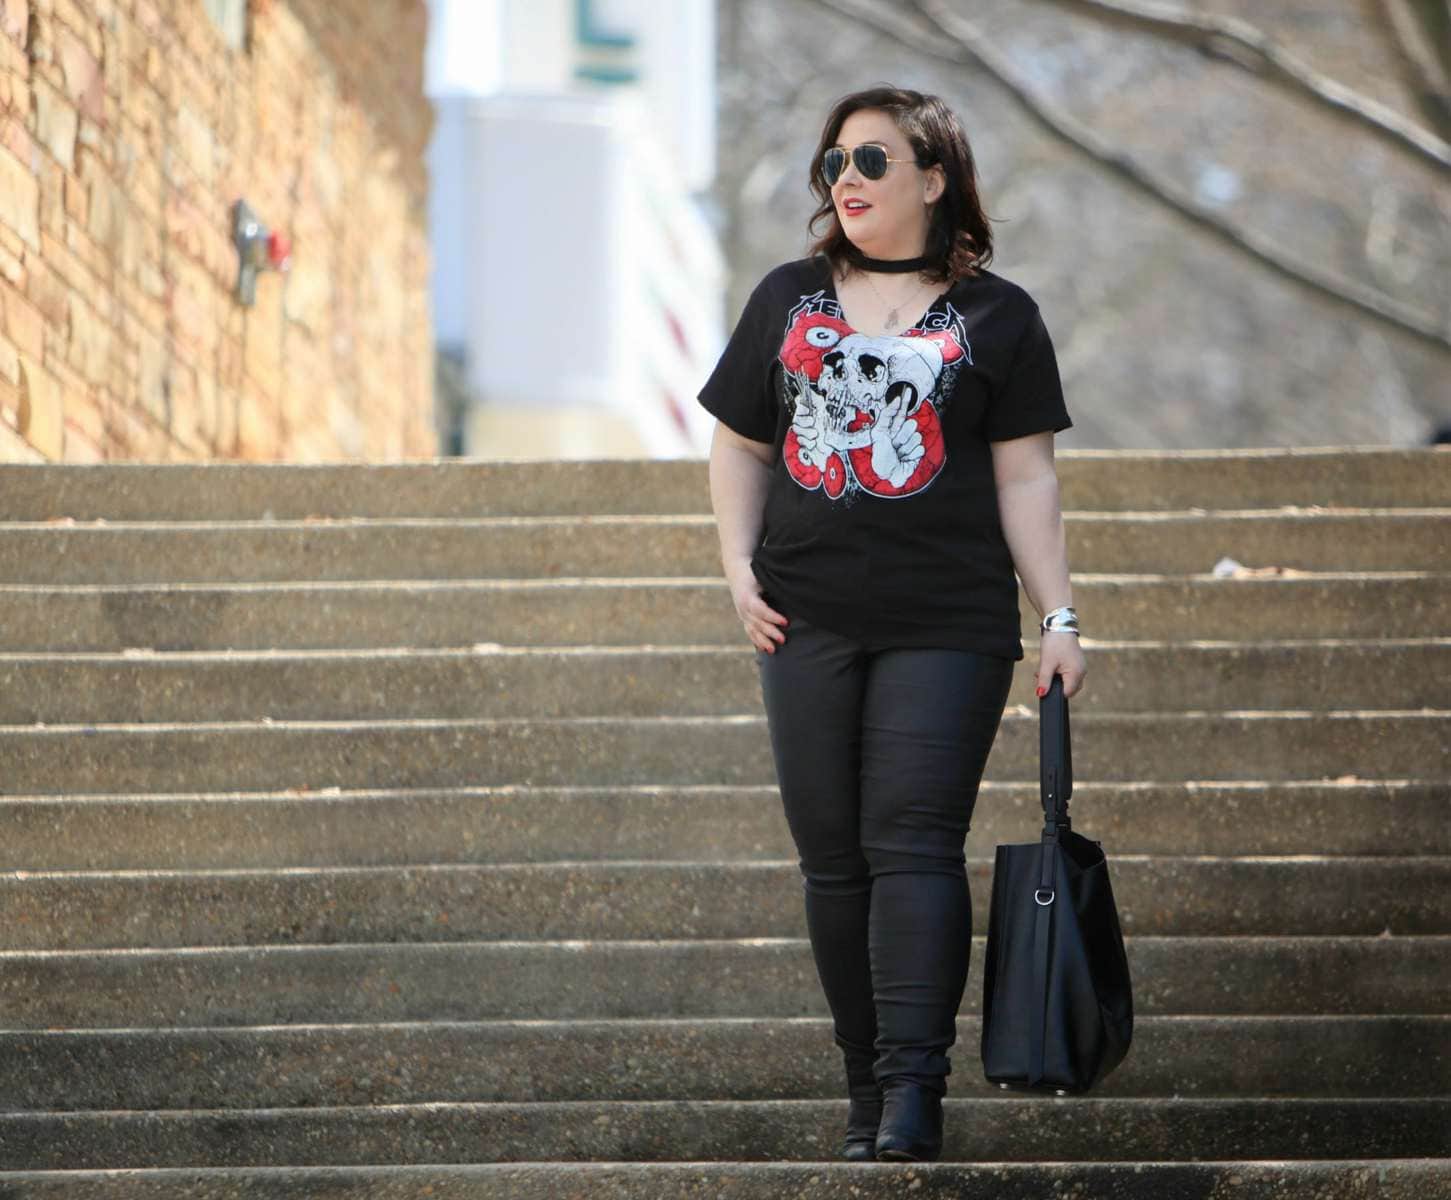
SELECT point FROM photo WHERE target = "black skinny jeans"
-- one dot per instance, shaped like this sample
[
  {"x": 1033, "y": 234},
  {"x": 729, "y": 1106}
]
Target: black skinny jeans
[{"x": 879, "y": 754}]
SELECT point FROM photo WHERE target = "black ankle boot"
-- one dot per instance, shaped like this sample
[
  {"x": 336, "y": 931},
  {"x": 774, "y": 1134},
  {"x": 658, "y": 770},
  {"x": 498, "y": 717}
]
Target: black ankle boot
[
  {"x": 911, "y": 1127},
  {"x": 864, "y": 1113}
]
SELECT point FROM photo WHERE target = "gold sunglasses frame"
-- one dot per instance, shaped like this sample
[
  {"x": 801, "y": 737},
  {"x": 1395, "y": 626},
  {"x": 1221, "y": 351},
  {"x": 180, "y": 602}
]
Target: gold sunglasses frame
[{"x": 851, "y": 158}]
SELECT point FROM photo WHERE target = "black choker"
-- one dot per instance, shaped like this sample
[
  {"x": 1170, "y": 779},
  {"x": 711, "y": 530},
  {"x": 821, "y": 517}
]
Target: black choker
[{"x": 861, "y": 261}]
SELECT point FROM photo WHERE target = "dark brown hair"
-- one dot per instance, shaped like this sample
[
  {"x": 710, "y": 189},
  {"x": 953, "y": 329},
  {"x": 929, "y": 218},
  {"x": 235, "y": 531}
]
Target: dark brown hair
[{"x": 958, "y": 239}]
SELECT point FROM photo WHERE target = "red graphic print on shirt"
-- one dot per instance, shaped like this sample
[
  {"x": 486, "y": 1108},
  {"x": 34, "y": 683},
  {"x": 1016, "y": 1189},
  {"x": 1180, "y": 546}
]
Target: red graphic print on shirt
[{"x": 867, "y": 409}]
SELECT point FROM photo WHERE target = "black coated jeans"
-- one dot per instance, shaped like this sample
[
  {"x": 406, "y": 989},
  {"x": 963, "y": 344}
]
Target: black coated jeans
[{"x": 879, "y": 754}]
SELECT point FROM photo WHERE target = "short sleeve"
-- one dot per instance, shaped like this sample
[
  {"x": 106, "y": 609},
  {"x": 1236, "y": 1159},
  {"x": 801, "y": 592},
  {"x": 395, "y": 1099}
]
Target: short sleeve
[
  {"x": 740, "y": 390},
  {"x": 1030, "y": 397}
]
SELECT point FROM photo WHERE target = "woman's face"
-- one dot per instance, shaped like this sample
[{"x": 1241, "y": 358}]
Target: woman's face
[{"x": 886, "y": 217}]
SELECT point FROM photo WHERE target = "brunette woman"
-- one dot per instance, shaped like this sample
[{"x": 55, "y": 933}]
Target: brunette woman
[{"x": 882, "y": 466}]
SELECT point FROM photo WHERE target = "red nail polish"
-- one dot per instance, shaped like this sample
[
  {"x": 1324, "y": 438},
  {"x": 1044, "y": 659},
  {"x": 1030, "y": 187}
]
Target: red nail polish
[{"x": 1042, "y": 691}]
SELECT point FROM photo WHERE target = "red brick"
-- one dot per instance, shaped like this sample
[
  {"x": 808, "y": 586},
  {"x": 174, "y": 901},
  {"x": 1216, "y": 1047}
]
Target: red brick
[
  {"x": 46, "y": 290},
  {"x": 75, "y": 199},
  {"x": 85, "y": 415},
  {"x": 79, "y": 448},
  {"x": 42, "y": 414},
  {"x": 14, "y": 19},
  {"x": 80, "y": 62},
  {"x": 12, "y": 268},
  {"x": 91, "y": 341},
  {"x": 97, "y": 261},
  {"x": 132, "y": 435},
  {"x": 56, "y": 122},
  {"x": 23, "y": 324},
  {"x": 14, "y": 448}
]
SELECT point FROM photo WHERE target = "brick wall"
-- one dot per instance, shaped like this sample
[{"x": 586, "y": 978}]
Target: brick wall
[{"x": 127, "y": 128}]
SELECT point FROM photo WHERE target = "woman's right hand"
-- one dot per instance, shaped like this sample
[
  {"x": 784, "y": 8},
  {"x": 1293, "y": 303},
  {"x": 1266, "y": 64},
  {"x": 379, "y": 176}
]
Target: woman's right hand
[{"x": 759, "y": 618}]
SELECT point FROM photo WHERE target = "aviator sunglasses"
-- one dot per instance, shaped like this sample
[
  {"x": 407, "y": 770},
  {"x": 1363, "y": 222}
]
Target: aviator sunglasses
[{"x": 870, "y": 158}]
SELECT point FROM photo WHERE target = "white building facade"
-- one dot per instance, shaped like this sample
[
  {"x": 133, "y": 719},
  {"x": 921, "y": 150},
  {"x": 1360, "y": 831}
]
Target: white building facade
[{"x": 575, "y": 275}]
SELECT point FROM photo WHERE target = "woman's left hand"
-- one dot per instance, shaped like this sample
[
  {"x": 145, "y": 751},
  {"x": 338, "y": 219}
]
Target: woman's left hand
[{"x": 1060, "y": 654}]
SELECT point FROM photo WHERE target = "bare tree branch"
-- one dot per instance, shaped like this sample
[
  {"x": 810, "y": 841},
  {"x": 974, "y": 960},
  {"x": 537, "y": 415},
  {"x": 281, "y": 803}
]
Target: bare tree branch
[
  {"x": 1427, "y": 74},
  {"x": 966, "y": 45},
  {"x": 1249, "y": 47}
]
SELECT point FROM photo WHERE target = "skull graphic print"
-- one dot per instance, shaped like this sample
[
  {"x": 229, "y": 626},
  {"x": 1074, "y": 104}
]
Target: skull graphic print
[{"x": 867, "y": 410}]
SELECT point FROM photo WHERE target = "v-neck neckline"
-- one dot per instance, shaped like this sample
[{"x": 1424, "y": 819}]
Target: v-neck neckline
[{"x": 835, "y": 299}]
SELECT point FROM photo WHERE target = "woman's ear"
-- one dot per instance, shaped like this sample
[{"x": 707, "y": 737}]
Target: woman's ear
[{"x": 936, "y": 184}]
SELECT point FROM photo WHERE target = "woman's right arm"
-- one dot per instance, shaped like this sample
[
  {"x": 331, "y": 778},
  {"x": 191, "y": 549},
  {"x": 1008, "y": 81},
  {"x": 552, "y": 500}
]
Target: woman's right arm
[{"x": 740, "y": 472}]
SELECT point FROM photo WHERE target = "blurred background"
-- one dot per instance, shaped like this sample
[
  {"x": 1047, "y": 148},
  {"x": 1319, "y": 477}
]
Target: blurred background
[{"x": 313, "y": 230}]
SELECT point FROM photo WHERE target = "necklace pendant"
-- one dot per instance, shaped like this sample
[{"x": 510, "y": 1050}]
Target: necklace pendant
[{"x": 892, "y": 319}]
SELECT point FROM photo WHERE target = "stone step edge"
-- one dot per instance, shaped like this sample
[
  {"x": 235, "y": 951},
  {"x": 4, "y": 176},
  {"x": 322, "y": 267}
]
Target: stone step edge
[
  {"x": 649, "y": 650},
  {"x": 663, "y": 864},
  {"x": 1348, "y": 783},
  {"x": 695, "y": 789},
  {"x": 807, "y": 1180},
  {"x": 581, "y": 582},
  {"x": 232, "y": 950},
  {"x": 1116, "y": 515},
  {"x": 486, "y": 1107},
  {"x": 666, "y": 721},
  {"x": 473, "y": 462},
  {"x": 98, "y": 1032}
]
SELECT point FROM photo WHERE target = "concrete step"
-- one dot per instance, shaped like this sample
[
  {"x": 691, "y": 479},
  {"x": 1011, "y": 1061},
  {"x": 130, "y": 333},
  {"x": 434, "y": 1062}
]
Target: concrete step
[
  {"x": 1391, "y": 1179},
  {"x": 266, "y": 754},
  {"x": 651, "y": 680},
  {"x": 1156, "y": 894},
  {"x": 740, "y": 1058},
  {"x": 754, "y": 978},
  {"x": 1380, "y": 539},
  {"x": 331, "y": 827},
  {"x": 667, "y": 611},
  {"x": 1089, "y": 479},
  {"x": 1073, "y": 1129}
]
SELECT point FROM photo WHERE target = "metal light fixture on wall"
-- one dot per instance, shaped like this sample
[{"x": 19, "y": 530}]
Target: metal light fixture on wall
[{"x": 258, "y": 249}]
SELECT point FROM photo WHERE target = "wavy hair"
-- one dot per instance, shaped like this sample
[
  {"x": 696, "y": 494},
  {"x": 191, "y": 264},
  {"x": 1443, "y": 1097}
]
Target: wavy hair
[{"x": 958, "y": 238}]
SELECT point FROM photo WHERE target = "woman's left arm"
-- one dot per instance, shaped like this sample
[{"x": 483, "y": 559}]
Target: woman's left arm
[{"x": 1032, "y": 522}]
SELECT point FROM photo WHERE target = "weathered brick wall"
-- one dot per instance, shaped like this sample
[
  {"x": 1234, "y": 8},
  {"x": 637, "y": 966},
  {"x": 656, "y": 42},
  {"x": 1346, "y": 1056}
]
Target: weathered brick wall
[{"x": 128, "y": 127}]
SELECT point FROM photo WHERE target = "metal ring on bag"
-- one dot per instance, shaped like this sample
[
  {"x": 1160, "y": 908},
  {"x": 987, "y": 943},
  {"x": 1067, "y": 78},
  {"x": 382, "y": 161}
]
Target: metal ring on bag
[{"x": 1051, "y": 895}]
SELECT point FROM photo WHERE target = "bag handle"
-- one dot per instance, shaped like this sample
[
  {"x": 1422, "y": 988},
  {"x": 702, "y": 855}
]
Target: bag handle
[{"x": 1055, "y": 754}]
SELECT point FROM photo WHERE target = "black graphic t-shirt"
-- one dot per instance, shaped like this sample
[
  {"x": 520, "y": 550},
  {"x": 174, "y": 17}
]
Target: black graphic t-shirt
[{"x": 881, "y": 521}]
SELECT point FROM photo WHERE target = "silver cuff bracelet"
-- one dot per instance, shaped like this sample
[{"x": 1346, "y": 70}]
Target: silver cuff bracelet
[{"x": 1060, "y": 620}]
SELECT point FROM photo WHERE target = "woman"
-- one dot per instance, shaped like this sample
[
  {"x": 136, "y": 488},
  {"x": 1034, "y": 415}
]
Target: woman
[{"x": 876, "y": 481}]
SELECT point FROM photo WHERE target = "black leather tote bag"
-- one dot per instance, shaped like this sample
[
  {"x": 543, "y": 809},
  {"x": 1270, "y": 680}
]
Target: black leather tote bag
[{"x": 1057, "y": 1005}]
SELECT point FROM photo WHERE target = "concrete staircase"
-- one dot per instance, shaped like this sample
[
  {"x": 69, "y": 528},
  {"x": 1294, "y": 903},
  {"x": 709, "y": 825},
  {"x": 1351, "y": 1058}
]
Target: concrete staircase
[{"x": 410, "y": 830}]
